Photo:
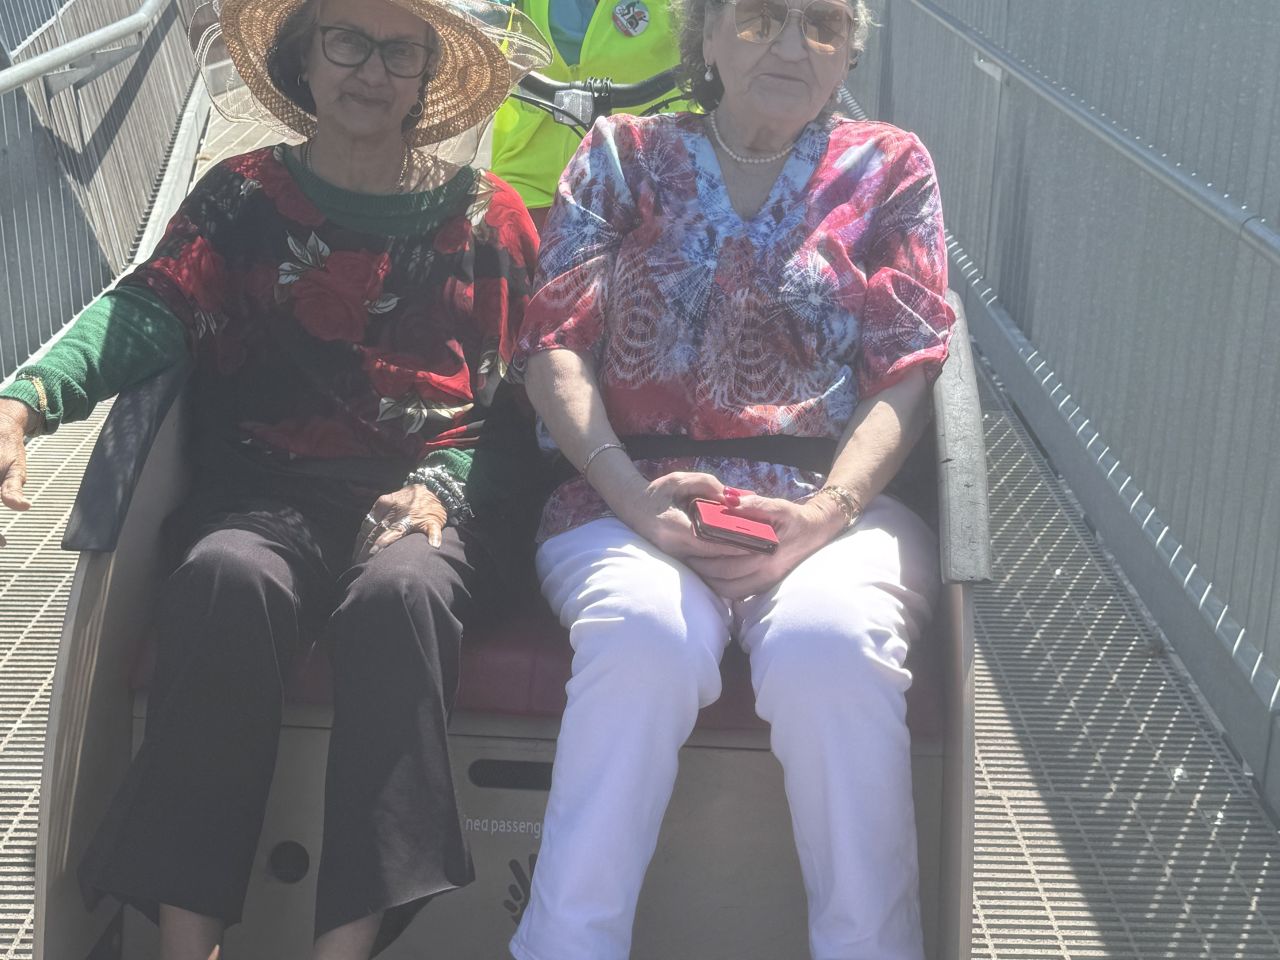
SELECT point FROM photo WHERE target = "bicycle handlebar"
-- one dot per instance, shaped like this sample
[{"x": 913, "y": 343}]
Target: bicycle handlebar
[
  {"x": 622, "y": 95},
  {"x": 578, "y": 103}
]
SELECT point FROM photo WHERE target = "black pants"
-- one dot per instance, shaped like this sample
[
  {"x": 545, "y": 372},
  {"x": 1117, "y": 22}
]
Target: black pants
[{"x": 262, "y": 579}]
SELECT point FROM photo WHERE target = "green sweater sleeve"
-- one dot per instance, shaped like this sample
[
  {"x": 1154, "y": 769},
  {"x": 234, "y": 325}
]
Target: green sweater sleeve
[{"x": 122, "y": 338}]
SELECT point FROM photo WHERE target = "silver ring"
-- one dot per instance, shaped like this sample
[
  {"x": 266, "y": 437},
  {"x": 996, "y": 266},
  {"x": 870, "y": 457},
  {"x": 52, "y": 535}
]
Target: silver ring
[
  {"x": 404, "y": 524},
  {"x": 370, "y": 518}
]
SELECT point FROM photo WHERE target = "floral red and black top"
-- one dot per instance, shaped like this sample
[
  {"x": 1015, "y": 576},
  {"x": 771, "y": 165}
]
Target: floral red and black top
[
  {"x": 709, "y": 326},
  {"x": 345, "y": 334},
  {"x": 322, "y": 341}
]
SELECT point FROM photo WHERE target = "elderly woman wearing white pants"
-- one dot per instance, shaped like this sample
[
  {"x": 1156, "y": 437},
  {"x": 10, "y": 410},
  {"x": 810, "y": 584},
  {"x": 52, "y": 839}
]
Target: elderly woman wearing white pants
[{"x": 744, "y": 306}]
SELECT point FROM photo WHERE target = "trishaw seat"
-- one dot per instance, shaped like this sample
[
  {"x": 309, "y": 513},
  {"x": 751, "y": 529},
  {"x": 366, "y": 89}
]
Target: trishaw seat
[
  {"x": 519, "y": 667},
  {"x": 513, "y": 677}
]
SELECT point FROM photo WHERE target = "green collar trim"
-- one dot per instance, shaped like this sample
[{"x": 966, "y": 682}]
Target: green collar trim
[{"x": 391, "y": 214}]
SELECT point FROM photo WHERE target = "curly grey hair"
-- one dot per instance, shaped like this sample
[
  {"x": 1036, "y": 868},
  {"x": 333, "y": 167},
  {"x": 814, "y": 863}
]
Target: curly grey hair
[{"x": 691, "y": 15}]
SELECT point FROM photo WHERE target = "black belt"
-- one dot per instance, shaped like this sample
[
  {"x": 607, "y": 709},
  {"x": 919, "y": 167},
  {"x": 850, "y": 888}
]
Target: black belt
[{"x": 814, "y": 454}]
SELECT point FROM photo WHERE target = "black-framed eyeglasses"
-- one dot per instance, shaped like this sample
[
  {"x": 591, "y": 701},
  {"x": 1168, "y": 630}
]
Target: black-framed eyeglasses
[
  {"x": 825, "y": 24},
  {"x": 345, "y": 47}
]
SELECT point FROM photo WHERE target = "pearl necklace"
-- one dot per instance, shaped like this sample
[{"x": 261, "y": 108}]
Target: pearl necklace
[
  {"x": 402, "y": 184},
  {"x": 771, "y": 158}
]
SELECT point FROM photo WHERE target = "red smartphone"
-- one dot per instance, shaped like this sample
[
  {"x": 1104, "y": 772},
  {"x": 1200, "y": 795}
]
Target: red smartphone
[{"x": 713, "y": 521}]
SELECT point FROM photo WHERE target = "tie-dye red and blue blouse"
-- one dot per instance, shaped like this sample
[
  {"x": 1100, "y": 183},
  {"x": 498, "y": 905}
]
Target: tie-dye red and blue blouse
[{"x": 707, "y": 325}]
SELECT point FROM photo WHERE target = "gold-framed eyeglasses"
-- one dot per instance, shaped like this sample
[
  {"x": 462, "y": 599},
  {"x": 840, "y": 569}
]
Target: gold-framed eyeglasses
[
  {"x": 345, "y": 47},
  {"x": 825, "y": 24}
]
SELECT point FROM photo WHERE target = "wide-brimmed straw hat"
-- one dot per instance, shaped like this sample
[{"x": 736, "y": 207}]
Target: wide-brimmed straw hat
[{"x": 484, "y": 49}]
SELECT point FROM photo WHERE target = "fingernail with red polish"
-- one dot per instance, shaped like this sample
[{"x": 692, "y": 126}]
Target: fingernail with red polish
[{"x": 734, "y": 491}]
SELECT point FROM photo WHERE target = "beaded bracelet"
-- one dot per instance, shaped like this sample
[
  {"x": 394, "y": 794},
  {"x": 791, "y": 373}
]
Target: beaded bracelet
[{"x": 444, "y": 487}]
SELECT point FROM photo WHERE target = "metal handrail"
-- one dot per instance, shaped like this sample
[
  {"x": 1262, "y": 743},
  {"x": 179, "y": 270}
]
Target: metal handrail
[
  {"x": 1252, "y": 228},
  {"x": 11, "y": 78}
]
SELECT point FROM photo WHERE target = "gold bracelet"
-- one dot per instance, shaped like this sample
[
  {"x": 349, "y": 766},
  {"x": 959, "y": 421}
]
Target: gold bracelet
[
  {"x": 37, "y": 385},
  {"x": 847, "y": 502}
]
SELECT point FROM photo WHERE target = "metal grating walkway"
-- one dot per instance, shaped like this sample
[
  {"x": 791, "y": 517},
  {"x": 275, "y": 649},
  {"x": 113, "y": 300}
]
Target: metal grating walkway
[
  {"x": 1112, "y": 820},
  {"x": 35, "y": 580}
]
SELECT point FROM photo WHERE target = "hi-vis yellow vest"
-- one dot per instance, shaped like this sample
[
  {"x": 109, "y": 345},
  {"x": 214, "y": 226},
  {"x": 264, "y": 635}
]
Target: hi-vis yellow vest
[{"x": 530, "y": 149}]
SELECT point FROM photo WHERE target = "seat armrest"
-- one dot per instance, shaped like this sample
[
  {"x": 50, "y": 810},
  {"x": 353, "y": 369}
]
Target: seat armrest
[
  {"x": 963, "y": 526},
  {"x": 118, "y": 459}
]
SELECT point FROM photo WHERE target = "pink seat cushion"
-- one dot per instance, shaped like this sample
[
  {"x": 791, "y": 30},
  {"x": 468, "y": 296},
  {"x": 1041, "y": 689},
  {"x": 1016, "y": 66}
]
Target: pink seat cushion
[{"x": 519, "y": 667}]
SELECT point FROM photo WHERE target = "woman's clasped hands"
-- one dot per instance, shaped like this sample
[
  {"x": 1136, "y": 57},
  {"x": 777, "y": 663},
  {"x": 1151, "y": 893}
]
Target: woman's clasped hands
[{"x": 659, "y": 514}]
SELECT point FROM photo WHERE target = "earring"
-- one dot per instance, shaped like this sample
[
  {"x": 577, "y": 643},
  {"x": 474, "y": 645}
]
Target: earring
[
  {"x": 709, "y": 76},
  {"x": 417, "y": 109}
]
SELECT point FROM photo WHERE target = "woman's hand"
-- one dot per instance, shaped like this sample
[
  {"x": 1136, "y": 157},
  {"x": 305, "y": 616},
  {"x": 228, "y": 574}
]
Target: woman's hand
[
  {"x": 13, "y": 456},
  {"x": 413, "y": 509},
  {"x": 802, "y": 528},
  {"x": 658, "y": 514},
  {"x": 563, "y": 389}
]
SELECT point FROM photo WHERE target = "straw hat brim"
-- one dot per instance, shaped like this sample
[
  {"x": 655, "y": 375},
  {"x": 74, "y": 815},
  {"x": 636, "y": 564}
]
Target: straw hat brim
[{"x": 470, "y": 79}]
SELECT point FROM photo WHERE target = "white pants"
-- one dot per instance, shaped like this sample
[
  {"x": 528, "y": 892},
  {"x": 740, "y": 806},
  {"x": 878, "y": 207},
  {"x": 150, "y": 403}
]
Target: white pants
[{"x": 826, "y": 646}]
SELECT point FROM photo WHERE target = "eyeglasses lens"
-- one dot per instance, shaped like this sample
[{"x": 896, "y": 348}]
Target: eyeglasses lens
[
  {"x": 346, "y": 48},
  {"x": 825, "y": 23}
]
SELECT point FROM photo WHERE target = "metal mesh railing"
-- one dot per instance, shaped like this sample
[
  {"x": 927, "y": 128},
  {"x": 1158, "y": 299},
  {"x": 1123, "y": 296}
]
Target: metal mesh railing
[
  {"x": 77, "y": 170},
  {"x": 19, "y": 19},
  {"x": 1116, "y": 189},
  {"x": 50, "y": 260}
]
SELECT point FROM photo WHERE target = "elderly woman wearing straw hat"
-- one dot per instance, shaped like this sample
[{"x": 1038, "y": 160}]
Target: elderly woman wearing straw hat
[{"x": 348, "y": 306}]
